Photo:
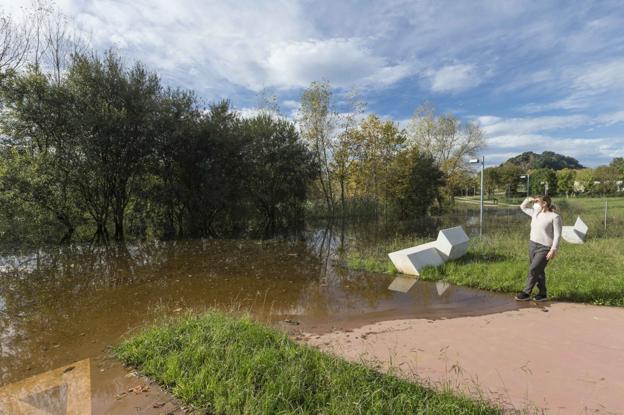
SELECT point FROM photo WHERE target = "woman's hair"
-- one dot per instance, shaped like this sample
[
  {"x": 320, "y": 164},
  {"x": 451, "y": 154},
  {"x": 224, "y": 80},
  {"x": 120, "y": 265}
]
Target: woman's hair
[{"x": 549, "y": 205}]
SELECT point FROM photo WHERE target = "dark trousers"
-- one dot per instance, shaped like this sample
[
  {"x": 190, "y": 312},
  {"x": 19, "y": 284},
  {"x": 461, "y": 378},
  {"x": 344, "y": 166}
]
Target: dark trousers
[{"x": 537, "y": 265}]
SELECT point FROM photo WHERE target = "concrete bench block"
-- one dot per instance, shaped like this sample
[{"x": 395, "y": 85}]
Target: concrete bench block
[
  {"x": 575, "y": 234},
  {"x": 452, "y": 242},
  {"x": 580, "y": 227},
  {"x": 411, "y": 261}
]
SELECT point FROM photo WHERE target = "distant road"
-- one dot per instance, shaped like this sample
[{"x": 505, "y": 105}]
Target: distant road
[{"x": 485, "y": 202}]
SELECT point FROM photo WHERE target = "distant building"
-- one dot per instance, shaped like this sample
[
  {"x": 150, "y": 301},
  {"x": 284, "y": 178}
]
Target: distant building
[{"x": 579, "y": 187}]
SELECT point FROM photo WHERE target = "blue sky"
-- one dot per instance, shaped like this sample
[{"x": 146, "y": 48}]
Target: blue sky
[{"x": 537, "y": 75}]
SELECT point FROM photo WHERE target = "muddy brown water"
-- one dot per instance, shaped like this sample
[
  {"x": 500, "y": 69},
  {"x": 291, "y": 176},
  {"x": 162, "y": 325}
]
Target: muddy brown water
[{"x": 63, "y": 305}]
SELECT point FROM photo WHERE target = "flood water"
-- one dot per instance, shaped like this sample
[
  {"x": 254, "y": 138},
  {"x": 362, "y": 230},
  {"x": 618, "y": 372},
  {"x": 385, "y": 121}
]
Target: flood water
[{"x": 60, "y": 305}]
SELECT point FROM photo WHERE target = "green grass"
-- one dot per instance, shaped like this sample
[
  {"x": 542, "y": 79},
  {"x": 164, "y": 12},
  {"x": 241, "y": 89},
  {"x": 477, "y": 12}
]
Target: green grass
[
  {"x": 591, "y": 273},
  {"x": 228, "y": 365}
]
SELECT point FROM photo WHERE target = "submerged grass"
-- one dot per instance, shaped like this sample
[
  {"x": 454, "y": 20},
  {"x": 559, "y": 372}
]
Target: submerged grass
[
  {"x": 228, "y": 365},
  {"x": 592, "y": 272}
]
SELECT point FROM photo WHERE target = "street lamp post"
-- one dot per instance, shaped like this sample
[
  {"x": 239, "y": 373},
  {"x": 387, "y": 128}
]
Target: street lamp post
[
  {"x": 482, "y": 162},
  {"x": 528, "y": 185}
]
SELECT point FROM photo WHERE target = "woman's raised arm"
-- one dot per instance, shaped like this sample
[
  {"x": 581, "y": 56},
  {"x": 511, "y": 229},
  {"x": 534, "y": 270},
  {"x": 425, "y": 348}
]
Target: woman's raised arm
[{"x": 525, "y": 206}]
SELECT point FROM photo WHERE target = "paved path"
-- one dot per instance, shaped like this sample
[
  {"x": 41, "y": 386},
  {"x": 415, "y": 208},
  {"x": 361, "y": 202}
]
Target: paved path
[{"x": 563, "y": 358}]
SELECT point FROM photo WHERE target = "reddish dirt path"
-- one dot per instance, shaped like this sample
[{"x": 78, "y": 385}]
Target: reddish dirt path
[{"x": 563, "y": 358}]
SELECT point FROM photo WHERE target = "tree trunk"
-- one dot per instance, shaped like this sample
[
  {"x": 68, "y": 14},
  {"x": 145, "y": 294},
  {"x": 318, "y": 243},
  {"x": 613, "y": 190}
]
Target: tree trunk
[
  {"x": 342, "y": 194},
  {"x": 101, "y": 233},
  {"x": 119, "y": 226},
  {"x": 69, "y": 227}
]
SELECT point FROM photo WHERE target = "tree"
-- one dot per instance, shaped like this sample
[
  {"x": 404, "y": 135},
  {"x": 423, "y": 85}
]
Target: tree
[
  {"x": 376, "y": 143},
  {"x": 347, "y": 147},
  {"x": 413, "y": 183},
  {"x": 584, "y": 180},
  {"x": 618, "y": 163},
  {"x": 317, "y": 122},
  {"x": 115, "y": 110},
  {"x": 608, "y": 177},
  {"x": 14, "y": 44},
  {"x": 491, "y": 180},
  {"x": 449, "y": 141},
  {"x": 565, "y": 180},
  {"x": 208, "y": 173},
  {"x": 280, "y": 168},
  {"x": 177, "y": 124},
  {"x": 543, "y": 179},
  {"x": 38, "y": 124},
  {"x": 509, "y": 178}
]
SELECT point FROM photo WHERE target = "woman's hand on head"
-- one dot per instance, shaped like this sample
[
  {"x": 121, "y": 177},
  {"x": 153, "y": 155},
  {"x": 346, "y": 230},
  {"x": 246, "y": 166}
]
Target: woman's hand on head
[{"x": 551, "y": 254}]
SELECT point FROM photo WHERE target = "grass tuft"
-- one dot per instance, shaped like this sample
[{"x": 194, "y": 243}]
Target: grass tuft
[{"x": 229, "y": 365}]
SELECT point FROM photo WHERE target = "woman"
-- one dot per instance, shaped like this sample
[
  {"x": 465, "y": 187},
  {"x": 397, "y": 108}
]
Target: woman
[{"x": 543, "y": 243}]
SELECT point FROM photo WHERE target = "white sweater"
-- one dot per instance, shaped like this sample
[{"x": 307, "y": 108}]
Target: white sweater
[{"x": 545, "y": 226}]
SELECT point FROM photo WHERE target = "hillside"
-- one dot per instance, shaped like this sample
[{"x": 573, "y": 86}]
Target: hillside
[{"x": 548, "y": 159}]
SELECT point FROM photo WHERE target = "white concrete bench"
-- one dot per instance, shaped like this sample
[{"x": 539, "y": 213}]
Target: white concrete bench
[
  {"x": 575, "y": 234},
  {"x": 412, "y": 260},
  {"x": 452, "y": 243}
]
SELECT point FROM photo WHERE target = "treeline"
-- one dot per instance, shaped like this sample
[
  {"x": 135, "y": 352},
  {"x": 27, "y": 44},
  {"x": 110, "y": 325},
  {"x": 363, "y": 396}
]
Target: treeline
[
  {"x": 95, "y": 148},
  {"x": 371, "y": 163},
  {"x": 512, "y": 180},
  {"x": 110, "y": 145}
]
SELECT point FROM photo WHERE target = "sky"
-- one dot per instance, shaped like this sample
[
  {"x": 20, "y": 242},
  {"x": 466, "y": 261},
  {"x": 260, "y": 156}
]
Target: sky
[{"x": 536, "y": 75}]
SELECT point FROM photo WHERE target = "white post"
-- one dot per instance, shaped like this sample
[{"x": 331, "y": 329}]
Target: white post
[
  {"x": 481, "y": 205},
  {"x": 605, "y": 219}
]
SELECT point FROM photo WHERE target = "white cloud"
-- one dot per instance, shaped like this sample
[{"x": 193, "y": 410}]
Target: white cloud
[
  {"x": 611, "y": 118},
  {"x": 250, "y": 44},
  {"x": 454, "y": 78},
  {"x": 595, "y": 34},
  {"x": 584, "y": 85},
  {"x": 487, "y": 120},
  {"x": 493, "y": 126},
  {"x": 291, "y": 104},
  {"x": 600, "y": 76},
  {"x": 344, "y": 62}
]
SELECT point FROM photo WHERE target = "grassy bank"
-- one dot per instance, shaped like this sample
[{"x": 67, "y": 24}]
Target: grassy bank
[
  {"x": 228, "y": 365},
  {"x": 591, "y": 273}
]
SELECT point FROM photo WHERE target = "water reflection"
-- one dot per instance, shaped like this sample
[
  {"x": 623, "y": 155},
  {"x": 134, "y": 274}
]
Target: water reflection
[
  {"x": 62, "y": 304},
  {"x": 402, "y": 284},
  {"x": 442, "y": 287}
]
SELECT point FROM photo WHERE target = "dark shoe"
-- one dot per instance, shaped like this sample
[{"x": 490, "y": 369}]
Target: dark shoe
[
  {"x": 522, "y": 296},
  {"x": 540, "y": 297}
]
